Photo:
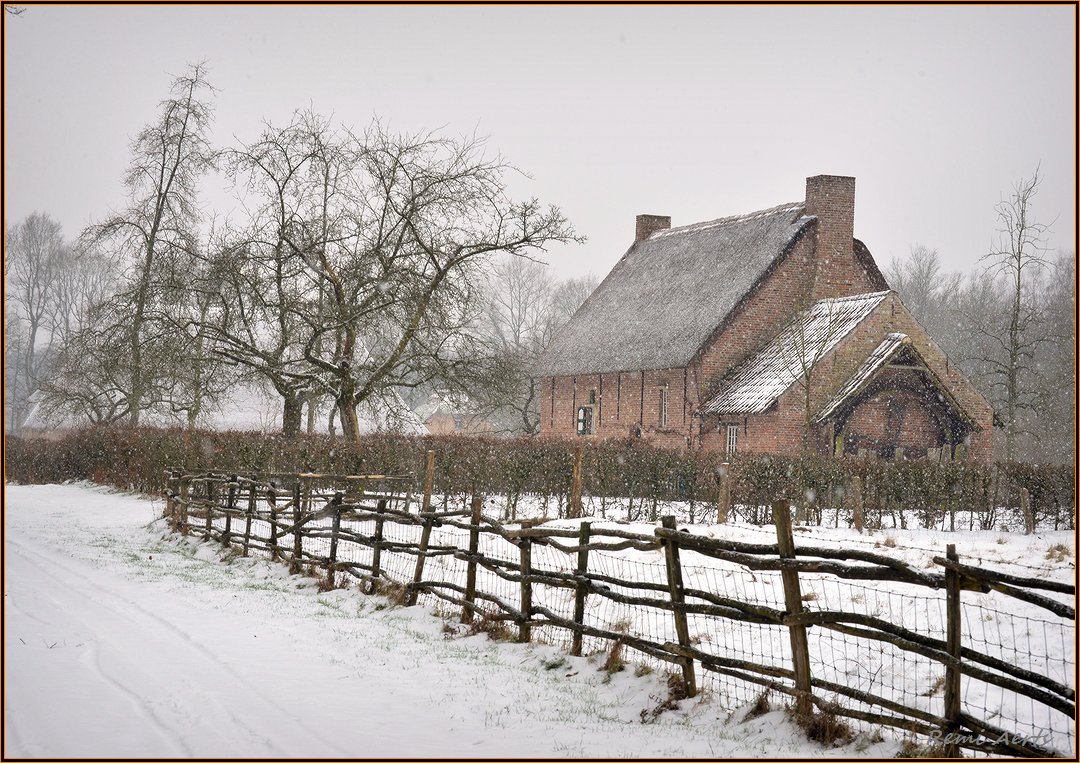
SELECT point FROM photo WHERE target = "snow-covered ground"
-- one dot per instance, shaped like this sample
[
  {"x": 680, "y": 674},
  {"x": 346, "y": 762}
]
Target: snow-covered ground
[{"x": 123, "y": 641}]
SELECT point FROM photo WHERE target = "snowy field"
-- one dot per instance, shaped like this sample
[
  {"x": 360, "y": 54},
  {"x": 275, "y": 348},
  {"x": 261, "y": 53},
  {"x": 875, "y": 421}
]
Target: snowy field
[
  {"x": 151, "y": 646},
  {"x": 123, "y": 642}
]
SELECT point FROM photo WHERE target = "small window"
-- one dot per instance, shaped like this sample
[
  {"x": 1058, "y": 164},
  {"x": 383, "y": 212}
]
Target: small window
[
  {"x": 732, "y": 438},
  {"x": 663, "y": 407},
  {"x": 592, "y": 397},
  {"x": 584, "y": 420}
]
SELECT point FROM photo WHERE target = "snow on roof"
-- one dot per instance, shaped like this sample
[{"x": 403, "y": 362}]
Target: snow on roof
[
  {"x": 881, "y": 354},
  {"x": 762, "y": 379},
  {"x": 669, "y": 292}
]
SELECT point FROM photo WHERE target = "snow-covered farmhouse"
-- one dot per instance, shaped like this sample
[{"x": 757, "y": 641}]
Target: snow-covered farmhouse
[{"x": 758, "y": 333}]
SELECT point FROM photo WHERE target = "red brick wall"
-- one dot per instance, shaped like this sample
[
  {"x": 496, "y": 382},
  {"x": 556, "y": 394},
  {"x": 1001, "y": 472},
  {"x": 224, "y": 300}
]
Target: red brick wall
[
  {"x": 831, "y": 199},
  {"x": 867, "y": 425},
  {"x": 619, "y": 411},
  {"x": 777, "y": 432}
]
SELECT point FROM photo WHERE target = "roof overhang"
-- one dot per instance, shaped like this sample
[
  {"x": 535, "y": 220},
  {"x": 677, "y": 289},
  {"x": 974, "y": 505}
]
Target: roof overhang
[{"x": 880, "y": 359}]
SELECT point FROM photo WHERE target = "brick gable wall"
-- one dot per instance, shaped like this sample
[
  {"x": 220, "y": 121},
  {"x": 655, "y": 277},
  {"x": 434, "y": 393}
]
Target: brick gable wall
[
  {"x": 780, "y": 430},
  {"x": 621, "y": 410}
]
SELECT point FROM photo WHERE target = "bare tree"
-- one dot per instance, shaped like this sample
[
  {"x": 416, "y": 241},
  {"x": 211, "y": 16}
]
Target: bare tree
[
  {"x": 432, "y": 211},
  {"x": 15, "y": 339},
  {"x": 34, "y": 255},
  {"x": 261, "y": 293},
  {"x": 156, "y": 233},
  {"x": 524, "y": 308},
  {"x": 89, "y": 380},
  {"x": 568, "y": 296},
  {"x": 1018, "y": 258},
  {"x": 1053, "y": 409},
  {"x": 357, "y": 272}
]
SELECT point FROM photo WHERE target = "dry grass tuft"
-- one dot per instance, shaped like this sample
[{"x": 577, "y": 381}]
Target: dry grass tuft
[
  {"x": 827, "y": 728},
  {"x": 889, "y": 541},
  {"x": 936, "y": 686},
  {"x": 1059, "y": 552},
  {"x": 909, "y": 748},
  {"x": 760, "y": 707},
  {"x": 615, "y": 661},
  {"x": 677, "y": 691},
  {"x": 495, "y": 628},
  {"x": 395, "y": 592}
]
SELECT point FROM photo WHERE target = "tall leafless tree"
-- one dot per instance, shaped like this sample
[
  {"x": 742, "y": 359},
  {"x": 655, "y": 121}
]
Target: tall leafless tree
[
  {"x": 35, "y": 256},
  {"x": 156, "y": 233},
  {"x": 432, "y": 211},
  {"x": 524, "y": 307},
  {"x": 261, "y": 292},
  {"x": 1018, "y": 258},
  {"x": 357, "y": 270}
]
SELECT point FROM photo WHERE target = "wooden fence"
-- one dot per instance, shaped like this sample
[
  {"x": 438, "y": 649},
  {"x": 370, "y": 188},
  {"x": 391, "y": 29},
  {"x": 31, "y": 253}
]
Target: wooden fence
[{"x": 754, "y": 617}]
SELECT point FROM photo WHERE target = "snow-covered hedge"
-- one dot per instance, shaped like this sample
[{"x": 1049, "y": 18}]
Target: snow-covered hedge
[{"x": 919, "y": 490}]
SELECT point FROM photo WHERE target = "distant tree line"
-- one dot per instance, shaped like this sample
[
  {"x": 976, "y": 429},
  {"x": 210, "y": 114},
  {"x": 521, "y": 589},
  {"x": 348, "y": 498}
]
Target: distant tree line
[
  {"x": 356, "y": 267},
  {"x": 1009, "y": 325},
  {"x": 371, "y": 268}
]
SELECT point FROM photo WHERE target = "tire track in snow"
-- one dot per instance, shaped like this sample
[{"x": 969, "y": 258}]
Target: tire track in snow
[{"x": 71, "y": 578}]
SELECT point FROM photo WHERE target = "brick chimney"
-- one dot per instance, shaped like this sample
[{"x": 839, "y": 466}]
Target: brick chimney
[
  {"x": 831, "y": 198},
  {"x": 649, "y": 224}
]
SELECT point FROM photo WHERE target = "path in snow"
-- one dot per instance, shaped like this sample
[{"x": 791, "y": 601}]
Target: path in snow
[{"x": 122, "y": 641}]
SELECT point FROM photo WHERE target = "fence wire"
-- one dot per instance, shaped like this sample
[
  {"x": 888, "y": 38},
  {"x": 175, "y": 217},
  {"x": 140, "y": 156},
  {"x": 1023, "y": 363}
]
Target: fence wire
[{"x": 1000, "y": 628}]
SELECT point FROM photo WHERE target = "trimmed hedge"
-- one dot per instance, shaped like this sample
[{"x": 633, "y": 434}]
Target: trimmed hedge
[{"x": 929, "y": 494}]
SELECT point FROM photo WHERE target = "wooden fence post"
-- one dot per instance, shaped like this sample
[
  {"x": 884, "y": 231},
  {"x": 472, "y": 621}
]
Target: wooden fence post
[
  {"x": 575, "y": 484},
  {"x": 425, "y": 534},
  {"x": 298, "y": 540},
  {"x": 250, "y": 517},
  {"x": 675, "y": 586},
  {"x": 208, "y": 524},
  {"x": 856, "y": 503},
  {"x": 271, "y": 499},
  {"x": 172, "y": 486},
  {"x": 226, "y": 537},
  {"x": 952, "y": 636},
  {"x": 1025, "y": 508},
  {"x": 800, "y": 650},
  {"x": 584, "y": 534},
  {"x": 185, "y": 497},
  {"x": 723, "y": 502},
  {"x": 470, "y": 572},
  {"x": 376, "y": 543},
  {"x": 525, "y": 629},
  {"x": 170, "y": 506},
  {"x": 335, "y": 527}
]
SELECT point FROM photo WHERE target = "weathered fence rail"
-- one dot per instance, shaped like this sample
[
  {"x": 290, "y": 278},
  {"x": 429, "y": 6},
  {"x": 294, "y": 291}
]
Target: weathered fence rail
[{"x": 755, "y": 617}]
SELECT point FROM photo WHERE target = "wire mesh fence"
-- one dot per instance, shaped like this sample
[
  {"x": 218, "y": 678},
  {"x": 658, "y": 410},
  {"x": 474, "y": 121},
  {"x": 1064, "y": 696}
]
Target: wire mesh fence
[{"x": 990, "y": 668}]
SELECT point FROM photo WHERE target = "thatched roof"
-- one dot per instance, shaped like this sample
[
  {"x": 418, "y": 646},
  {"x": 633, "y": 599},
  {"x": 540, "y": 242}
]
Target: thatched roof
[
  {"x": 666, "y": 296},
  {"x": 755, "y": 385}
]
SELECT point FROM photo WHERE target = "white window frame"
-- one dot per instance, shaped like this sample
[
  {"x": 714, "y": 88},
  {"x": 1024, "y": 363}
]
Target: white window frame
[
  {"x": 663, "y": 406},
  {"x": 583, "y": 420},
  {"x": 731, "y": 441}
]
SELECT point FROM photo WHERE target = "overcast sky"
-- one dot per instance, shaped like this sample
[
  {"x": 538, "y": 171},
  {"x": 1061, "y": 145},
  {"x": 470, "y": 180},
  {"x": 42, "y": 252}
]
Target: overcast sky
[{"x": 693, "y": 112}]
